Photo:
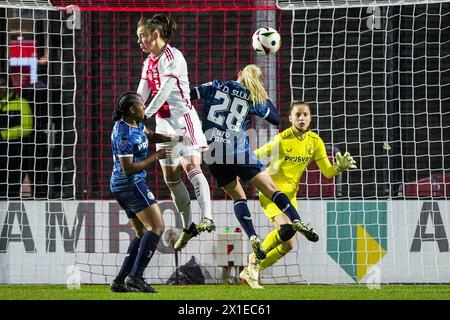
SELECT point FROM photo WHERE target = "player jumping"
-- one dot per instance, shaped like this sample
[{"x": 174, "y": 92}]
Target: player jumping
[
  {"x": 164, "y": 74},
  {"x": 228, "y": 109}
]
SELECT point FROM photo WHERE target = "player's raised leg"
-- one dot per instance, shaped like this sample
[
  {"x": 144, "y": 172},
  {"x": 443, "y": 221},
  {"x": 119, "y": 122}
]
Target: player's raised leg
[
  {"x": 265, "y": 184},
  {"x": 278, "y": 242},
  {"x": 236, "y": 192},
  {"x": 178, "y": 191},
  {"x": 172, "y": 176},
  {"x": 191, "y": 164}
]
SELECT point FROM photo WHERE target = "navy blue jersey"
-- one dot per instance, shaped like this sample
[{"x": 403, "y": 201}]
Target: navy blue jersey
[
  {"x": 127, "y": 141},
  {"x": 227, "y": 112}
]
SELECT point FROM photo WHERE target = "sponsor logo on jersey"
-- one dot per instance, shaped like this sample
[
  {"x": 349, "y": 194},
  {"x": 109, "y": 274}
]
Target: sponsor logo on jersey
[
  {"x": 220, "y": 136},
  {"x": 297, "y": 159},
  {"x": 143, "y": 145}
]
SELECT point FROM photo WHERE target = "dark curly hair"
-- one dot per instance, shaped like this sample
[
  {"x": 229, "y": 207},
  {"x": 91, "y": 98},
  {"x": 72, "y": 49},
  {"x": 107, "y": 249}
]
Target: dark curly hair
[{"x": 124, "y": 103}]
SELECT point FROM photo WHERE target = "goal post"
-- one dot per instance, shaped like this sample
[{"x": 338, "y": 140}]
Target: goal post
[
  {"x": 38, "y": 73},
  {"x": 377, "y": 74}
]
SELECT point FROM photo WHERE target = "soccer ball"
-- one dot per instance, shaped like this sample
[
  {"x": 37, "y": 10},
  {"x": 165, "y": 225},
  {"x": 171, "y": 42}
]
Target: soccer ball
[{"x": 266, "y": 41}]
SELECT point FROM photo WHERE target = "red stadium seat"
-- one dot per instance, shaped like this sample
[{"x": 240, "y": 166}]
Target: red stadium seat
[{"x": 437, "y": 185}]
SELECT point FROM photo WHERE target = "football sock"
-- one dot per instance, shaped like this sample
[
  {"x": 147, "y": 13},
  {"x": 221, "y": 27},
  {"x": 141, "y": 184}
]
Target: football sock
[
  {"x": 283, "y": 203},
  {"x": 243, "y": 215},
  {"x": 202, "y": 191},
  {"x": 182, "y": 200},
  {"x": 273, "y": 256},
  {"x": 128, "y": 263},
  {"x": 271, "y": 240},
  {"x": 146, "y": 250}
]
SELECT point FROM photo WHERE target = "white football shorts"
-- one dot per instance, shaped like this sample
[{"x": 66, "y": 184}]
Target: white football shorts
[{"x": 188, "y": 125}]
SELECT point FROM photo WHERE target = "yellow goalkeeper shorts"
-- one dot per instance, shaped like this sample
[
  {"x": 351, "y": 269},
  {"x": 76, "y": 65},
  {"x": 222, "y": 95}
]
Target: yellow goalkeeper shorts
[{"x": 270, "y": 209}]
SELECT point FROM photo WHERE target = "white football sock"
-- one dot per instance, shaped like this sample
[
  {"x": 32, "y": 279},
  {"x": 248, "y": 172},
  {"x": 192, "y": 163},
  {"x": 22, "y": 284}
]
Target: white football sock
[
  {"x": 202, "y": 191},
  {"x": 182, "y": 200}
]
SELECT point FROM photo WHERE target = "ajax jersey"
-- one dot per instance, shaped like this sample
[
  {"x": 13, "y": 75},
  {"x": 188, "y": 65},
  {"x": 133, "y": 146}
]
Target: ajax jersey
[{"x": 170, "y": 63}]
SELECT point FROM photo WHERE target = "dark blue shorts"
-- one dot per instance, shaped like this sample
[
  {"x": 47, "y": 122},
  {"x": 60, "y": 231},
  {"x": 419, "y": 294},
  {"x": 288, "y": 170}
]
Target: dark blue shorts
[
  {"x": 135, "y": 200},
  {"x": 226, "y": 173}
]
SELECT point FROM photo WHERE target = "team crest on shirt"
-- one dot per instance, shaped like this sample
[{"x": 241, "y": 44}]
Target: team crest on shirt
[
  {"x": 310, "y": 150},
  {"x": 123, "y": 145},
  {"x": 150, "y": 195}
]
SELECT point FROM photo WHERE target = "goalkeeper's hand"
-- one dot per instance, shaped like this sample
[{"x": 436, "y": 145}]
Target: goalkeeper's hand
[{"x": 344, "y": 162}]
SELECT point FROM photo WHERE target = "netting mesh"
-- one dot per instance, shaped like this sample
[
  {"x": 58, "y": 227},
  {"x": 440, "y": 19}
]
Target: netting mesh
[
  {"x": 109, "y": 62},
  {"x": 38, "y": 72},
  {"x": 162, "y": 5},
  {"x": 379, "y": 88}
]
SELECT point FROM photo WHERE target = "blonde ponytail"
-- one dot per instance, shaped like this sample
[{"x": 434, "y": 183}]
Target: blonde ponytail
[{"x": 251, "y": 78}]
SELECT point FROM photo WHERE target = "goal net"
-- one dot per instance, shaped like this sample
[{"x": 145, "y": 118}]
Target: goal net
[
  {"x": 376, "y": 73},
  {"x": 37, "y": 127}
]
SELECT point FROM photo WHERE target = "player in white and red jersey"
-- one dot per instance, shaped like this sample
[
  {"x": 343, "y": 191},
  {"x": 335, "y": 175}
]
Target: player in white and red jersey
[{"x": 165, "y": 76}]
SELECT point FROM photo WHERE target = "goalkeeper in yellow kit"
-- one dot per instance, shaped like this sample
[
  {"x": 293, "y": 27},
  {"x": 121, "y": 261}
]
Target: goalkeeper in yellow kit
[{"x": 291, "y": 152}]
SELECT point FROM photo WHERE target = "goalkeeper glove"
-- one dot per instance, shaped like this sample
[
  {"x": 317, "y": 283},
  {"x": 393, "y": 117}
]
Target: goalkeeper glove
[{"x": 344, "y": 162}]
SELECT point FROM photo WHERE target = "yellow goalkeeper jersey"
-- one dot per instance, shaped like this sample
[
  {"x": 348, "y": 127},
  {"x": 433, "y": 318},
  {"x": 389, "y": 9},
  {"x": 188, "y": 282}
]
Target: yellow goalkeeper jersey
[{"x": 290, "y": 157}]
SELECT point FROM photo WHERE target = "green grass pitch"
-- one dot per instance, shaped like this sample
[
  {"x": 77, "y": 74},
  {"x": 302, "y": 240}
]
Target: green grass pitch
[{"x": 230, "y": 292}]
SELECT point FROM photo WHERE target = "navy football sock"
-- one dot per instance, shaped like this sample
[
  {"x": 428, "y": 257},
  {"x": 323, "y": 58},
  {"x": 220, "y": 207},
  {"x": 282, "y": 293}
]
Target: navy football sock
[
  {"x": 128, "y": 263},
  {"x": 283, "y": 203},
  {"x": 146, "y": 250},
  {"x": 243, "y": 215}
]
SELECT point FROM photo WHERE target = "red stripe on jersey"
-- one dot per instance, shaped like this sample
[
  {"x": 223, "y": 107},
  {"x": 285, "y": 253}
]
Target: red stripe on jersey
[
  {"x": 187, "y": 118},
  {"x": 179, "y": 88},
  {"x": 188, "y": 104},
  {"x": 153, "y": 77},
  {"x": 169, "y": 54},
  {"x": 154, "y": 81}
]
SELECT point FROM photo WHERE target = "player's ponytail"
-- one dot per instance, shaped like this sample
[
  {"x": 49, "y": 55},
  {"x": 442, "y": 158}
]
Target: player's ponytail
[
  {"x": 251, "y": 78},
  {"x": 124, "y": 103},
  {"x": 117, "y": 115},
  {"x": 165, "y": 25}
]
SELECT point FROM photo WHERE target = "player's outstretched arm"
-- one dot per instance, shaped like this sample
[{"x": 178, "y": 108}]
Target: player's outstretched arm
[
  {"x": 129, "y": 167},
  {"x": 154, "y": 137},
  {"x": 343, "y": 162},
  {"x": 144, "y": 90},
  {"x": 161, "y": 97},
  {"x": 272, "y": 115}
]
